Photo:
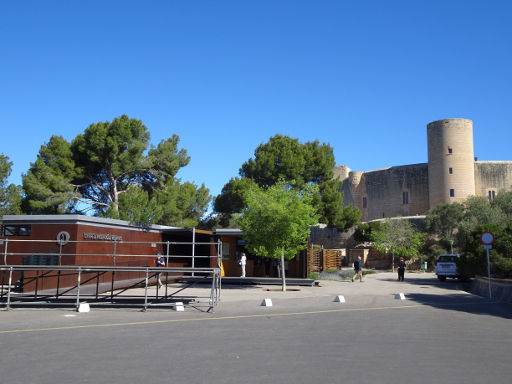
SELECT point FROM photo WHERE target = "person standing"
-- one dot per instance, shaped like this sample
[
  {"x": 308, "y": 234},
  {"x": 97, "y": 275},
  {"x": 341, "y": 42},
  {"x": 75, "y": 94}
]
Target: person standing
[
  {"x": 358, "y": 269},
  {"x": 159, "y": 263},
  {"x": 401, "y": 269},
  {"x": 243, "y": 261}
]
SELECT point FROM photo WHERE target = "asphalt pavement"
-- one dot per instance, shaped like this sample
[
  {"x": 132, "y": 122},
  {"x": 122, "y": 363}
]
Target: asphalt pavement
[{"x": 439, "y": 333}]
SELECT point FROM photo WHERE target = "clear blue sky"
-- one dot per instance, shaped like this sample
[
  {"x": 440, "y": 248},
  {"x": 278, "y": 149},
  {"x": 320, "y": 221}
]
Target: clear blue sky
[{"x": 364, "y": 76}]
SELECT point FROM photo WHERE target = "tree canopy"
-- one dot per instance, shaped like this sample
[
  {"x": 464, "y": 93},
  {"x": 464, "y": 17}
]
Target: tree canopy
[
  {"x": 107, "y": 161},
  {"x": 284, "y": 159},
  {"x": 399, "y": 238},
  {"x": 464, "y": 223},
  {"x": 10, "y": 194},
  {"x": 277, "y": 220}
]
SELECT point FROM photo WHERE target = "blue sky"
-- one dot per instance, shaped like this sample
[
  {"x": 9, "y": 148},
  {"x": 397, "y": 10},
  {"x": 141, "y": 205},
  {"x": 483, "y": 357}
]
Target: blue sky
[{"x": 364, "y": 76}]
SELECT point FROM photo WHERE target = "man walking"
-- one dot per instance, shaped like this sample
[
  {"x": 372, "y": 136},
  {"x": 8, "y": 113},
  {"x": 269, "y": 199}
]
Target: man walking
[
  {"x": 401, "y": 269},
  {"x": 358, "y": 269}
]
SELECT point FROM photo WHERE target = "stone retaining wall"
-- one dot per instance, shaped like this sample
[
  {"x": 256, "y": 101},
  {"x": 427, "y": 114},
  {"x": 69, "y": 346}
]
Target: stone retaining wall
[{"x": 501, "y": 289}]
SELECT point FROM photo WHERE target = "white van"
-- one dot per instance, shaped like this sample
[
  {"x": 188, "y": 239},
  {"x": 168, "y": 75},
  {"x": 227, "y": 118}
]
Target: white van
[{"x": 446, "y": 266}]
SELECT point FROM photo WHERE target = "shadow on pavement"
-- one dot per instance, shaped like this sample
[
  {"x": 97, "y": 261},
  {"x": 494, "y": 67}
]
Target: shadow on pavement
[{"x": 464, "y": 303}]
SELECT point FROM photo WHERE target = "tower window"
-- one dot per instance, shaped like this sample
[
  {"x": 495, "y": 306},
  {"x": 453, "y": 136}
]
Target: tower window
[
  {"x": 492, "y": 195},
  {"x": 450, "y": 170},
  {"x": 450, "y": 151},
  {"x": 452, "y": 192},
  {"x": 365, "y": 202},
  {"x": 405, "y": 197}
]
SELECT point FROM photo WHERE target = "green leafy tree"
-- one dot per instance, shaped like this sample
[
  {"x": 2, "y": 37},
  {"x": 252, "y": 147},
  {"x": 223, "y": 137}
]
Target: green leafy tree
[
  {"x": 277, "y": 220},
  {"x": 474, "y": 259},
  {"x": 283, "y": 158},
  {"x": 183, "y": 205},
  {"x": 477, "y": 211},
  {"x": 107, "y": 161},
  {"x": 329, "y": 203},
  {"x": 48, "y": 183},
  {"x": 10, "y": 194},
  {"x": 399, "y": 238},
  {"x": 443, "y": 221},
  {"x": 232, "y": 199},
  {"x": 136, "y": 207},
  {"x": 363, "y": 232}
]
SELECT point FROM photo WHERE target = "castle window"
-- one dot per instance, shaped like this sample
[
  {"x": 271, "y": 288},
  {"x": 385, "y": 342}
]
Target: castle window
[
  {"x": 492, "y": 195},
  {"x": 452, "y": 192},
  {"x": 365, "y": 202},
  {"x": 405, "y": 197},
  {"x": 450, "y": 151},
  {"x": 450, "y": 170}
]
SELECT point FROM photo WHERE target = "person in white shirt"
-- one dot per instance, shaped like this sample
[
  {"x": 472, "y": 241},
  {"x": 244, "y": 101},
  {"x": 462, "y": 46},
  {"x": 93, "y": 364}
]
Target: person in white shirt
[{"x": 243, "y": 261}]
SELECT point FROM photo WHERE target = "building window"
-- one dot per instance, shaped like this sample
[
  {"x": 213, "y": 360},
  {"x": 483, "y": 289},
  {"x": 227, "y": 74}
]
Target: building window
[
  {"x": 365, "y": 202},
  {"x": 16, "y": 230},
  {"x": 225, "y": 251},
  {"x": 405, "y": 197},
  {"x": 452, "y": 192},
  {"x": 450, "y": 170},
  {"x": 450, "y": 151},
  {"x": 492, "y": 195}
]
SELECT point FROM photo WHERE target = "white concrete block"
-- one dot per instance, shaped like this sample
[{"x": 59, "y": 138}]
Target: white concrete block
[
  {"x": 339, "y": 299},
  {"x": 84, "y": 307},
  {"x": 266, "y": 303},
  {"x": 179, "y": 307},
  {"x": 400, "y": 296}
]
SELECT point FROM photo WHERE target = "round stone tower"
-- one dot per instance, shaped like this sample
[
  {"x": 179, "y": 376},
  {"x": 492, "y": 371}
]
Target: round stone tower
[{"x": 451, "y": 166}]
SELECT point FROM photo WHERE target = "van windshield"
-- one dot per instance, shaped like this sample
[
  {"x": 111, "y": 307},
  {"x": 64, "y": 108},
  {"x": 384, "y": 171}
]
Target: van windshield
[{"x": 448, "y": 258}]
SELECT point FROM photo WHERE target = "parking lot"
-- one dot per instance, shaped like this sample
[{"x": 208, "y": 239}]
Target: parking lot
[{"x": 438, "y": 333}]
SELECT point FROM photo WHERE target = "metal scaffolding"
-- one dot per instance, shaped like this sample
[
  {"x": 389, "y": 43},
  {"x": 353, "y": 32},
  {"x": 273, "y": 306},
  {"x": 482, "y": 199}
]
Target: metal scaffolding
[{"x": 111, "y": 291}]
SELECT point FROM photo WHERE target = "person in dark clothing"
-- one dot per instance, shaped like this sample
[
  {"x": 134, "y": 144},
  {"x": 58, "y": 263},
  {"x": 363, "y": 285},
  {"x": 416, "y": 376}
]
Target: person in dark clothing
[
  {"x": 401, "y": 269},
  {"x": 159, "y": 262},
  {"x": 358, "y": 269}
]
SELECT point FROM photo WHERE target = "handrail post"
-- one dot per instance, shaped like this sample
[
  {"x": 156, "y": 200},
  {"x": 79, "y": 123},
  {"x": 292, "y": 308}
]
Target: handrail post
[
  {"x": 5, "y": 251},
  {"x": 115, "y": 250},
  {"x": 9, "y": 290},
  {"x": 78, "y": 289},
  {"x": 193, "y": 250},
  {"x": 146, "y": 290}
]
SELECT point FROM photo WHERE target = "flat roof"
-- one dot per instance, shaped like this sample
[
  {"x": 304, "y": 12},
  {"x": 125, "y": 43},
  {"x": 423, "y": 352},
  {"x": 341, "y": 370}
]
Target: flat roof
[{"x": 79, "y": 219}]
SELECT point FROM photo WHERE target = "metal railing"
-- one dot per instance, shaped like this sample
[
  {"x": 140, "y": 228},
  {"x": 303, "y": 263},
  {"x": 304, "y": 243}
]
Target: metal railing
[{"x": 119, "y": 291}]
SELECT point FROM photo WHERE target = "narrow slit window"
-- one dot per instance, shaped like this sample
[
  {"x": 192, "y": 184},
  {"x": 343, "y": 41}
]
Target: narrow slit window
[
  {"x": 450, "y": 170},
  {"x": 405, "y": 198},
  {"x": 452, "y": 192},
  {"x": 450, "y": 151},
  {"x": 365, "y": 202}
]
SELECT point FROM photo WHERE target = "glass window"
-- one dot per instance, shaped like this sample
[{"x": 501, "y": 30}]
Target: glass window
[
  {"x": 450, "y": 170},
  {"x": 225, "y": 251},
  {"x": 452, "y": 192},
  {"x": 450, "y": 151},
  {"x": 405, "y": 197},
  {"x": 365, "y": 202},
  {"x": 16, "y": 230}
]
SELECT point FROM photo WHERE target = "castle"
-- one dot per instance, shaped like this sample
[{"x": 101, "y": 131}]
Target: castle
[{"x": 452, "y": 174}]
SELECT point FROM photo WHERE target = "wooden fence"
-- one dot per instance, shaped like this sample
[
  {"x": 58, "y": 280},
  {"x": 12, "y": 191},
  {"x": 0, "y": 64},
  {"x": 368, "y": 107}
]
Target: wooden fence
[{"x": 320, "y": 259}]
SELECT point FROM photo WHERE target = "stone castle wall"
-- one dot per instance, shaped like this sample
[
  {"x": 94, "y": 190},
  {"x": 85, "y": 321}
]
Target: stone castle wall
[
  {"x": 492, "y": 176},
  {"x": 414, "y": 189}
]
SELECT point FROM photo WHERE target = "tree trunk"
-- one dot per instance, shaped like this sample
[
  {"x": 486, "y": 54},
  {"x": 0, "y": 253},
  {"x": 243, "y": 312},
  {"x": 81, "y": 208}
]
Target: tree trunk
[
  {"x": 392, "y": 262},
  {"x": 283, "y": 270}
]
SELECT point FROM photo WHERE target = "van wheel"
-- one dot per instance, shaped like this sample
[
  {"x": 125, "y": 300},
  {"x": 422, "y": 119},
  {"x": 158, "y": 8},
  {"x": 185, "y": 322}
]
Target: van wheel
[{"x": 441, "y": 278}]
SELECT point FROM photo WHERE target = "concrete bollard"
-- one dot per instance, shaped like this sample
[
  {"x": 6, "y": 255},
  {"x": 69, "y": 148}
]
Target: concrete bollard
[
  {"x": 179, "y": 307},
  {"x": 84, "y": 307},
  {"x": 400, "y": 296},
  {"x": 266, "y": 303},
  {"x": 339, "y": 299}
]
